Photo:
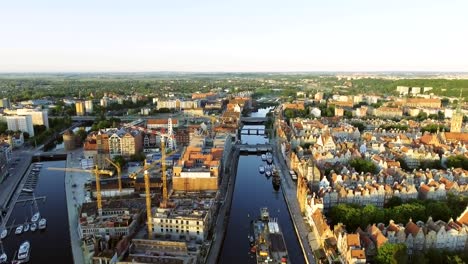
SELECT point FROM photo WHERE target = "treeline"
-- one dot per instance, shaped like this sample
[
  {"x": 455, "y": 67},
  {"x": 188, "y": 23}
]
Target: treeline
[{"x": 354, "y": 216}]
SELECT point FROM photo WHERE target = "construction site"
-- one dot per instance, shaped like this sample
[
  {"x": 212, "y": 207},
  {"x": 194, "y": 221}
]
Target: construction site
[{"x": 162, "y": 212}]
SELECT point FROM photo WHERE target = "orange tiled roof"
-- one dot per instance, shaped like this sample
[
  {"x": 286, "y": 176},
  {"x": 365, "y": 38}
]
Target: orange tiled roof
[
  {"x": 358, "y": 254},
  {"x": 353, "y": 240}
]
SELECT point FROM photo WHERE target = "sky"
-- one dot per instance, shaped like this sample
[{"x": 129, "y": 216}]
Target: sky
[{"x": 240, "y": 36}]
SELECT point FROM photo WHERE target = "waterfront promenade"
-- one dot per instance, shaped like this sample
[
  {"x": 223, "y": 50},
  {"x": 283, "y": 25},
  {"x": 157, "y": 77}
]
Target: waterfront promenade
[
  {"x": 302, "y": 229},
  {"x": 75, "y": 198}
]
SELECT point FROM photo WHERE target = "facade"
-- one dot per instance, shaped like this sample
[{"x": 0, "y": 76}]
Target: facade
[
  {"x": 21, "y": 123},
  {"x": 4, "y": 103},
  {"x": 80, "y": 108},
  {"x": 39, "y": 117},
  {"x": 190, "y": 216},
  {"x": 423, "y": 102},
  {"x": 388, "y": 112},
  {"x": 89, "y": 106}
]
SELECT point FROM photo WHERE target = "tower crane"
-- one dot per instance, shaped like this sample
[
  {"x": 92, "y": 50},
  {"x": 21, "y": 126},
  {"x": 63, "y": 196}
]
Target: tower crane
[
  {"x": 119, "y": 173},
  {"x": 97, "y": 173}
]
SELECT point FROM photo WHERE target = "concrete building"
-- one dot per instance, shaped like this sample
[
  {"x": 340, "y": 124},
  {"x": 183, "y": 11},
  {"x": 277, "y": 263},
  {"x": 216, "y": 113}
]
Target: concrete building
[
  {"x": 201, "y": 163},
  {"x": 21, "y": 123},
  {"x": 89, "y": 106},
  {"x": 190, "y": 217},
  {"x": 80, "y": 108},
  {"x": 39, "y": 117},
  {"x": 161, "y": 123},
  {"x": 5, "y": 103},
  {"x": 388, "y": 112},
  {"x": 159, "y": 251}
]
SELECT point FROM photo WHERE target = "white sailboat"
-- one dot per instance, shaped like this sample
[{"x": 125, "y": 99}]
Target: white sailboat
[
  {"x": 4, "y": 233},
  {"x": 42, "y": 223},
  {"x": 23, "y": 252}
]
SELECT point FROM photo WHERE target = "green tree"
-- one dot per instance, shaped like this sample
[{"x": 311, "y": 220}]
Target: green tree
[
  {"x": 347, "y": 214},
  {"x": 458, "y": 161},
  {"x": 362, "y": 165},
  {"x": 3, "y": 127},
  {"x": 393, "y": 202},
  {"x": 370, "y": 214},
  {"x": 391, "y": 254},
  {"x": 120, "y": 161},
  {"x": 81, "y": 133}
]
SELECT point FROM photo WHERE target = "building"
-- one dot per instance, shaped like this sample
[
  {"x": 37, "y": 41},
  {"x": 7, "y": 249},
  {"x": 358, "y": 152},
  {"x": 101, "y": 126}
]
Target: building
[
  {"x": 39, "y": 117},
  {"x": 21, "y": 123},
  {"x": 80, "y": 108},
  {"x": 5, "y": 103},
  {"x": 159, "y": 251},
  {"x": 201, "y": 163},
  {"x": 424, "y": 102},
  {"x": 161, "y": 123},
  {"x": 457, "y": 118},
  {"x": 89, "y": 106},
  {"x": 190, "y": 216},
  {"x": 388, "y": 112}
]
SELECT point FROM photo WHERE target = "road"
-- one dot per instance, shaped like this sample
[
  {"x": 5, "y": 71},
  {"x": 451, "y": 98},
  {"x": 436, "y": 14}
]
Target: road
[
  {"x": 289, "y": 192},
  {"x": 17, "y": 168}
]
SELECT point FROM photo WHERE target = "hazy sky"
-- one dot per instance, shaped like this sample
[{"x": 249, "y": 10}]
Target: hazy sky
[{"x": 240, "y": 35}]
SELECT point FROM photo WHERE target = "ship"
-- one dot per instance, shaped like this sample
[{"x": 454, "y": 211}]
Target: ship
[
  {"x": 276, "y": 180},
  {"x": 269, "y": 246}
]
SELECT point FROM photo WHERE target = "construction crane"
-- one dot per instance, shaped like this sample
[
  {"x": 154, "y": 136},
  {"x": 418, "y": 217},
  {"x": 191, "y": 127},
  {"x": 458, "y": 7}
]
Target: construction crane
[
  {"x": 119, "y": 173},
  {"x": 146, "y": 168},
  {"x": 97, "y": 173}
]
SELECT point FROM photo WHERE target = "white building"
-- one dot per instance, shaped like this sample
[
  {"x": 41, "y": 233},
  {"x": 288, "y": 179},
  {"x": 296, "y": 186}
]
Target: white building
[
  {"x": 21, "y": 123},
  {"x": 39, "y": 117},
  {"x": 89, "y": 106},
  {"x": 191, "y": 217}
]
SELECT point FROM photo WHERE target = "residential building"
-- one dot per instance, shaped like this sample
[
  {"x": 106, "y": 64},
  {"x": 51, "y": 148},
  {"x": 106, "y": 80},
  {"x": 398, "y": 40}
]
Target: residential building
[
  {"x": 423, "y": 102},
  {"x": 89, "y": 106},
  {"x": 190, "y": 216},
  {"x": 5, "y": 103},
  {"x": 21, "y": 123},
  {"x": 80, "y": 108},
  {"x": 388, "y": 112},
  {"x": 39, "y": 117}
]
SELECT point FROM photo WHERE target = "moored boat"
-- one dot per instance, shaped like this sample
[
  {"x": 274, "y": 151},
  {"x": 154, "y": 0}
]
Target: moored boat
[
  {"x": 261, "y": 169},
  {"x": 4, "y": 233},
  {"x": 3, "y": 258},
  {"x": 270, "y": 246},
  {"x": 269, "y": 157},
  {"x": 23, "y": 252},
  {"x": 26, "y": 227},
  {"x": 27, "y": 190},
  {"x": 35, "y": 217},
  {"x": 42, "y": 223},
  {"x": 264, "y": 157},
  {"x": 268, "y": 173},
  {"x": 33, "y": 227},
  {"x": 19, "y": 230}
]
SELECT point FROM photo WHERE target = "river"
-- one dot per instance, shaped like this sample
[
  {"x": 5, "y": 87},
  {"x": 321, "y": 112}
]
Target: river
[
  {"x": 251, "y": 192},
  {"x": 51, "y": 245}
]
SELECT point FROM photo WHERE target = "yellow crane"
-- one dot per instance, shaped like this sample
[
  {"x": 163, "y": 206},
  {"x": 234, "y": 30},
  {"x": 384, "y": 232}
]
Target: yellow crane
[
  {"x": 97, "y": 173},
  {"x": 119, "y": 173},
  {"x": 146, "y": 167}
]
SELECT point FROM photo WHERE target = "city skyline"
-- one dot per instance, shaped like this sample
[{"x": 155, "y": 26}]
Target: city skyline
[{"x": 208, "y": 36}]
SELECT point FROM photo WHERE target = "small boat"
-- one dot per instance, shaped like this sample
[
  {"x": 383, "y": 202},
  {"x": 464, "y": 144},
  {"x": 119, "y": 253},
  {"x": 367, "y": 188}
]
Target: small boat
[
  {"x": 268, "y": 173},
  {"x": 264, "y": 157},
  {"x": 3, "y": 255},
  {"x": 35, "y": 217},
  {"x": 42, "y": 223},
  {"x": 269, "y": 157},
  {"x": 33, "y": 227},
  {"x": 3, "y": 258},
  {"x": 261, "y": 169},
  {"x": 26, "y": 227},
  {"x": 23, "y": 252},
  {"x": 19, "y": 230},
  {"x": 27, "y": 190},
  {"x": 3, "y": 234}
]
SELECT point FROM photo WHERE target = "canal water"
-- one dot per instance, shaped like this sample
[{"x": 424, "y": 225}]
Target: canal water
[
  {"x": 251, "y": 192},
  {"x": 51, "y": 245}
]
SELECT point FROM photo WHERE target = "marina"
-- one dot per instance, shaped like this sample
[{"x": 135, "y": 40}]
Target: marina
[{"x": 45, "y": 204}]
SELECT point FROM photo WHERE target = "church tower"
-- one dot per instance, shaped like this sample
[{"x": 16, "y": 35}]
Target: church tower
[{"x": 457, "y": 117}]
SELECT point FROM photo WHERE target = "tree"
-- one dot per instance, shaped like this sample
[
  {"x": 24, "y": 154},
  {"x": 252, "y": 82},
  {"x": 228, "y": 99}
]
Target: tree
[
  {"x": 120, "y": 161},
  {"x": 458, "y": 161},
  {"x": 81, "y": 133},
  {"x": 3, "y": 127},
  {"x": 370, "y": 214},
  {"x": 359, "y": 125},
  {"x": 438, "y": 210},
  {"x": 391, "y": 254},
  {"x": 402, "y": 213},
  {"x": 347, "y": 214},
  {"x": 365, "y": 166},
  {"x": 393, "y": 202}
]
